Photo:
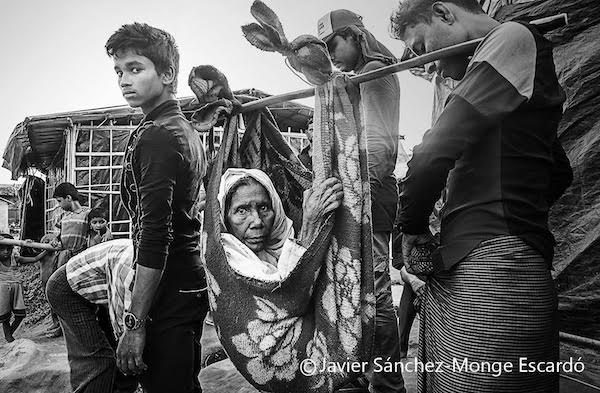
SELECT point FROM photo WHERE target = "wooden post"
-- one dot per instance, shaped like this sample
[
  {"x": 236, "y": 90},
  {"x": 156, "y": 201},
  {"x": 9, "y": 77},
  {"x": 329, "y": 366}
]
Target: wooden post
[{"x": 23, "y": 243}]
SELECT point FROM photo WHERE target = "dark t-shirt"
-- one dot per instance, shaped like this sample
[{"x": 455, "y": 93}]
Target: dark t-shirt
[
  {"x": 164, "y": 166},
  {"x": 495, "y": 144},
  {"x": 380, "y": 100}
]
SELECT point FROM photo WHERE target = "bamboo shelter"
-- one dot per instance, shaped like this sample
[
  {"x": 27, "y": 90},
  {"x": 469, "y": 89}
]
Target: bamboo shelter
[{"x": 86, "y": 148}]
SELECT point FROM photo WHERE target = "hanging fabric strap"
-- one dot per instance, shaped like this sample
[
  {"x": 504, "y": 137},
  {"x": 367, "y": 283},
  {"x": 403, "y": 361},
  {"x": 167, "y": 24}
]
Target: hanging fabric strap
[{"x": 286, "y": 336}]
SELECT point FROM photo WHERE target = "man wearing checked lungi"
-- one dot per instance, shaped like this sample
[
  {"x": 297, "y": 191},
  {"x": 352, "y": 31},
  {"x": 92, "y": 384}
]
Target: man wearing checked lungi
[{"x": 490, "y": 297}]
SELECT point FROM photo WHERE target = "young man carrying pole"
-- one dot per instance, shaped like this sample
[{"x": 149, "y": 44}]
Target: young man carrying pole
[{"x": 491, "y": 297}]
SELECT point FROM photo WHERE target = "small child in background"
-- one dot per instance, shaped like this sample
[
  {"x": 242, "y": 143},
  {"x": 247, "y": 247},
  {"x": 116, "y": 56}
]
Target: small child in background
[
  {"x": 73, "y": 225},
  {"x": 99, "y": 232},
  {"x": 48, "y": 264},
  {"x": 11, "y": 292}
]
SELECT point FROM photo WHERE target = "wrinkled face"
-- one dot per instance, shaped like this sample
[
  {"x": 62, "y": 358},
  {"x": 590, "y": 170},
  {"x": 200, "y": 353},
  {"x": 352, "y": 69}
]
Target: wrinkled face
[
  {"x": 139, "y": 81},
  {"x": 344, "y": 52},
  {"x": 65, "y": 203},
  {"x": 250, "y": 215},
  {"x": 424, "y": 38},
  {"x": 98, "y": 224},
  {"x": 5, "y": 253}
]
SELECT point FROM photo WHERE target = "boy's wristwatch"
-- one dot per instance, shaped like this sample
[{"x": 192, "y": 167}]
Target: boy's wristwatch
[{"x": 132, "y": 322}]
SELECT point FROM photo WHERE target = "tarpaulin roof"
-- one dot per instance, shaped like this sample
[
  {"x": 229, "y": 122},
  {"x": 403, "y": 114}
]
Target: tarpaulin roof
[{"x": 38, "y": 141}]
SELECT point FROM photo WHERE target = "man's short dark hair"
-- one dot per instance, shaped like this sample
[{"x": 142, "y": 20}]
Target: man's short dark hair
[
  {"x": 151, "y": 42},
  {"x": 64, "y": 189},
  {"x": 412, "y": 12},
  {"x": 97, "y": 213}
]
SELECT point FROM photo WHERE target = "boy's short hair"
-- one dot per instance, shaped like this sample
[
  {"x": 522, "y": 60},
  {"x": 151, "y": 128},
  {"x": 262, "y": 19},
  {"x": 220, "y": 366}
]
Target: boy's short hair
[
  {"x": 97, "y": 213},
  {"x": 64, "y": 189},
  {"x": 151, "y": 42},
  {"x": 412, "y": 12}
]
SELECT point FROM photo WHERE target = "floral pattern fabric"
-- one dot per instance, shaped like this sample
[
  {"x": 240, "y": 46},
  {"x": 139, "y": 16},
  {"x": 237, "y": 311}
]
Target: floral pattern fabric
[{"x": 324, "y": 309}]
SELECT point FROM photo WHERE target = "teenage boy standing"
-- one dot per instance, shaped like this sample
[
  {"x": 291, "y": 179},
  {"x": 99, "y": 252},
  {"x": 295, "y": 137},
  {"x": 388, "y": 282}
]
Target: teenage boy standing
[{"x": 160, "y": 187}]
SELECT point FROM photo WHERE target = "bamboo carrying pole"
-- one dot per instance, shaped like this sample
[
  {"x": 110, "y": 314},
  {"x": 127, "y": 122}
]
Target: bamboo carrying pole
[
  {"x": 23, "y": 243},
  {"x": 545, "y": 24}
]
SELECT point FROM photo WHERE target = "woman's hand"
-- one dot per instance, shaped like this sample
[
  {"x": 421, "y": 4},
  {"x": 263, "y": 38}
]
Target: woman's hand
[{"x": 319, "y": 200}]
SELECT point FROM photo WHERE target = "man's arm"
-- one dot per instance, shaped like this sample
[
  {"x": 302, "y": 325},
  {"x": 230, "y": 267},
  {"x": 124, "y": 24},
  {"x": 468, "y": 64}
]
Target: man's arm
[
  {"x": 380, "y": 100},
  {"x": 499, "y": 81},
  {"x": 158, "y": 161},
  {"x": 25, "y": 260}
]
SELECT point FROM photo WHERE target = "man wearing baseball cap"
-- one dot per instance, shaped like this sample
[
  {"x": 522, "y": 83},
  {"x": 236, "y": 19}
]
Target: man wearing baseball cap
[{"x": 354, "y": 48}]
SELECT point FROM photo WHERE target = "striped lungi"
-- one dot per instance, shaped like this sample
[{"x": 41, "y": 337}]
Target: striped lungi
[{"x": 478, "y": 319}]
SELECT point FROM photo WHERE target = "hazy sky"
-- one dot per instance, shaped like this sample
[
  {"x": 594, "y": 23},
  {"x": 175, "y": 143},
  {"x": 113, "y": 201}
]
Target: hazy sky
[{"x": 54, "y": 59}]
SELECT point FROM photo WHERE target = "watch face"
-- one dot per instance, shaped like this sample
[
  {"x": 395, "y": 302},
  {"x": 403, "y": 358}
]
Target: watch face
[{"x": 129, "y": 320}]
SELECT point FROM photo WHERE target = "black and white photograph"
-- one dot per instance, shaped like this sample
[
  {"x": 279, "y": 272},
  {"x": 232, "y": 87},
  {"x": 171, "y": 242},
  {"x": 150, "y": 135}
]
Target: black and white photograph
[{"x": 335, "y": 196}]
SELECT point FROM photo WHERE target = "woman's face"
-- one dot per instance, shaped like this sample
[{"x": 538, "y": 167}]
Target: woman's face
[{"x": 250, "y": 215}]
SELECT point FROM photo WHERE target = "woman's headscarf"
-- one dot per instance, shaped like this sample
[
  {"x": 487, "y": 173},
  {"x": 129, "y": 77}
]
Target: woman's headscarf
[{"x": 282, "y": 226}]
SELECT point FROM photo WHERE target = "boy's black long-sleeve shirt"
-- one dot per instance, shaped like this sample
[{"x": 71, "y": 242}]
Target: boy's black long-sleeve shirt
[{"x": 160, "y": 187}]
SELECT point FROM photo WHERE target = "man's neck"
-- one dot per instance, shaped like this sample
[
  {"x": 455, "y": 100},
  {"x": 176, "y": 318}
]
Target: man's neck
[
  {"x": 480, "y": 25},
  {"x": 150, "y": 106},
  {"x": 76, "y": 207}
]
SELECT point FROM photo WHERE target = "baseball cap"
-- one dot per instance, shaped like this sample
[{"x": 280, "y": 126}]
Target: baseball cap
[{"x": 334, "y": 21}]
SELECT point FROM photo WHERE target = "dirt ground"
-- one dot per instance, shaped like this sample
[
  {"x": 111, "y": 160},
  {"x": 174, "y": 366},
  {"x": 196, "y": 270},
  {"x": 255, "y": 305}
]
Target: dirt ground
[
  {"x": 33, "y": 363},
  {"x": 36, "y": 364}
]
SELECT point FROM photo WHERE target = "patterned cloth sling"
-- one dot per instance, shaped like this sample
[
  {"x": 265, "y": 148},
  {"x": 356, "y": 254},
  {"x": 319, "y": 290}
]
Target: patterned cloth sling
[{"x": 322, "y": 314}]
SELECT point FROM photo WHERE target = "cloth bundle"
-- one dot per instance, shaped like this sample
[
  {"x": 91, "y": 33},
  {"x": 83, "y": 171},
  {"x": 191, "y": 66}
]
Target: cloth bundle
[{"x": 277, "y": 332}]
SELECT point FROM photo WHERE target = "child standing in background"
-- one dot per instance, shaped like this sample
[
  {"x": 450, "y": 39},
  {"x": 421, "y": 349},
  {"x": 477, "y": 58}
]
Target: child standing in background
[
  {"x": 11, "y": 292},
  {"x": 48, "y": 262},
  {"x": 73, "y": 224},
  {"x": 99, "y": 232}
]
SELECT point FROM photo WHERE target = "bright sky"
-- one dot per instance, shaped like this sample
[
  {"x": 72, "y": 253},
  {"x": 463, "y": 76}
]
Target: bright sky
[{"x": 54, "y": 58}]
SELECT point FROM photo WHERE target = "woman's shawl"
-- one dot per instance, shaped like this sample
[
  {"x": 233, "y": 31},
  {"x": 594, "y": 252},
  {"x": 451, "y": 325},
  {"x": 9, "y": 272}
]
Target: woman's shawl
[{"x": 287, "y": 336}]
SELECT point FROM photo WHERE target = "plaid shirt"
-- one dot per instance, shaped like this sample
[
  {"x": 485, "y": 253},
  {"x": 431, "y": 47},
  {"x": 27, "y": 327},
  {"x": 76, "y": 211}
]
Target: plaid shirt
[{"x": 104, "y": 274}]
